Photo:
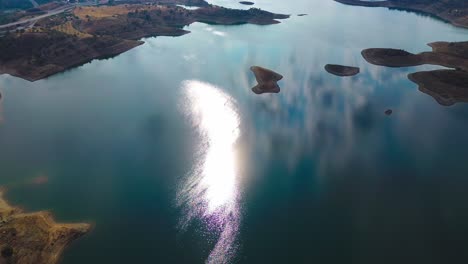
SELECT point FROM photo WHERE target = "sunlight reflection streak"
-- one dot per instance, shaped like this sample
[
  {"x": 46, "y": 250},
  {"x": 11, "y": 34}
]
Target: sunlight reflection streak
[{"x": 210, "y": 192}]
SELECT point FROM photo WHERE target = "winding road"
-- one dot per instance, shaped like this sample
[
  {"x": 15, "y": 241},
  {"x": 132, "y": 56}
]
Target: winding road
[{"x": 34, "y": 3}]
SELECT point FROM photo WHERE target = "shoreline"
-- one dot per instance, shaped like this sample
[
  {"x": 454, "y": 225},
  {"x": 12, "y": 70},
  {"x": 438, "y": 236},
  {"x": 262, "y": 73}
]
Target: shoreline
[
  {"x": 56, "y": 69},
  {"x": 445, "y": 15},
  {"x": 65, "y": 41},
  {"x": 34, "y": 237},
  {"x": 441, "y": 86},
  {"x": 447, "y": 86},
  {"x": 443, "y": 54}
]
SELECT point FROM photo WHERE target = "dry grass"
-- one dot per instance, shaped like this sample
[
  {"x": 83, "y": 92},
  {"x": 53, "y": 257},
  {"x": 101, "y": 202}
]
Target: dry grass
[
  {"x": 36, "y": 30},
  {"x": 86, "y": 12},
  {"x": 68, "y": 28}
]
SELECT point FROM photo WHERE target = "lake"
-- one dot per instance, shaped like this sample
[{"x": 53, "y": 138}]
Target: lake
[{"x": 167, "y": 151}]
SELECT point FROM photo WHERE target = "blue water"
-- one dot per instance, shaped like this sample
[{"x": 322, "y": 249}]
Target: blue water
[{"x": 174, "y": 160}]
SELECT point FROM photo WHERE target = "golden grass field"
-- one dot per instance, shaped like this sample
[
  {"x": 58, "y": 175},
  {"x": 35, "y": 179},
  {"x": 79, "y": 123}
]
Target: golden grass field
[
  {"x": 86, "y": 12},
  {"x": 68, "y": 28}
]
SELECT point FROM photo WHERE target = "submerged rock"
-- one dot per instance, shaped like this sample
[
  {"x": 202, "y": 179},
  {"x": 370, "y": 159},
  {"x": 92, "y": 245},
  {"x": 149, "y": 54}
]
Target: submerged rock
[
  {"x": 267, "y": 80},
  {"x": 340, "y": 70},
  {"x": 34, "y": 238},
  {"x": 389, "y": 112}
]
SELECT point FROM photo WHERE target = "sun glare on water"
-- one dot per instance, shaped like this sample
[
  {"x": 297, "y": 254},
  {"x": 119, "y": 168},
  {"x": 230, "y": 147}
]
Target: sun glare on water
[{"x": 210, "y": 191}]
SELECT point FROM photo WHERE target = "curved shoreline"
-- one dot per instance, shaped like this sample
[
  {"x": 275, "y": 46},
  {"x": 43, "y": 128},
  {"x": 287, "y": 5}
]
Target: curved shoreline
[
  {"x": 448, "y": 86},
  {"x": 443, "y": 85},
  {"x": 59, "y": 43},
  {"x": 34, "y": 238},
  {"x": 457, "y": 16}
]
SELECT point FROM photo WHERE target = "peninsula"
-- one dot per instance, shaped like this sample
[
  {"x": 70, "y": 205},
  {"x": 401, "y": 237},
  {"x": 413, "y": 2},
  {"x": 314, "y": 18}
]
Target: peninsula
[
  {"x": 447, "y": 87},
  {"x": 447, "y": 54},
  {"x": 33, "y": 238},
  {"x": 74, "y": 37},
  {"x": 451, "y": 11}
]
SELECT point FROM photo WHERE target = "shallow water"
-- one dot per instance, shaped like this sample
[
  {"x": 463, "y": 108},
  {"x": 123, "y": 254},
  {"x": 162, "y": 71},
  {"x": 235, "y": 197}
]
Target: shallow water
[{"x": 172, "y": 157}]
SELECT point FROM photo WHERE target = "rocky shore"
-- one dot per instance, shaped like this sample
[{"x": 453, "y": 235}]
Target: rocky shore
[{"x": 34, "y": 238}]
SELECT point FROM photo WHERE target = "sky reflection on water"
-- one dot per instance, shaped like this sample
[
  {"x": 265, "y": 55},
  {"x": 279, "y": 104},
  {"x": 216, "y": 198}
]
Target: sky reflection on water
[
  {"x": 285, "y": 178},
  {"x": 209, "y": 193},
  {"x": 1, "y": 109}
]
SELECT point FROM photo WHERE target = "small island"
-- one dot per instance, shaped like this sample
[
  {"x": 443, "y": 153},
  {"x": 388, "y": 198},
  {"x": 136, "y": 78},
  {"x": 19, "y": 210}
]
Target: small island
[
  {"x": 342, "y": 71},
  {"x": 267, "y": 80},
  {"x": 34, "y": 238},
  {"x": 79, "y": 34},
  {"x": 246, "y": 3}
]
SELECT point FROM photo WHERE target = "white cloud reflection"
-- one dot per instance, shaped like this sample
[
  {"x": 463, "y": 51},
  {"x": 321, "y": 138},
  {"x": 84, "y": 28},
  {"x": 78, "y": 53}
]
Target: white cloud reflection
[
  {"x": 216, "y": 32},
  {"x": 210, "y": 192},
  {"x": 1, "y": 107}
]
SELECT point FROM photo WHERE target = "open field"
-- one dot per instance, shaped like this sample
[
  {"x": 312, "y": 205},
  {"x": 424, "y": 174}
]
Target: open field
[{"x": 94, "y": 12}]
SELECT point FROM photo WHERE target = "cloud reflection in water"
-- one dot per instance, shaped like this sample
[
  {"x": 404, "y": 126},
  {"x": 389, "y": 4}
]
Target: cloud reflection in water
[
  {"x": 209, "y": 194},
  {"x": 1, "y": 106}
]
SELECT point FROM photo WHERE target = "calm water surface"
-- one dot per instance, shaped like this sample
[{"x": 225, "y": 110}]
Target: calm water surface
[{"x": 172, "y": 157}]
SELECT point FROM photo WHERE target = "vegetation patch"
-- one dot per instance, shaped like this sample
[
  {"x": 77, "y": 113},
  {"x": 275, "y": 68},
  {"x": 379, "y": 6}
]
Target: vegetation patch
[{"x": 68, "y": 29}]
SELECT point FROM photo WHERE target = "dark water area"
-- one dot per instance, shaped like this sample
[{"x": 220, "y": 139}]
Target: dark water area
[{"x": 167, "y": 151}]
